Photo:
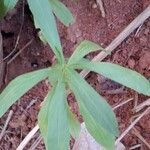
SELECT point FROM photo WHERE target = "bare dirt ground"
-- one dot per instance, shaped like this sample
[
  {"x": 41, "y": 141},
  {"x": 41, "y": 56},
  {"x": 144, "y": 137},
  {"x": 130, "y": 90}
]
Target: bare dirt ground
[{"x": 133, "y": 53}]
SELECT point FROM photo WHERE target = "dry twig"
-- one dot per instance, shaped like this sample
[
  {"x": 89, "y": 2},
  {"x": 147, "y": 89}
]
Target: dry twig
[
  {"x": 135, "y": 147},
  {"x": 142, "y": 105},
  {"x": 101, "y": 7},
  {"x": 123, "y": 103},
  {"x": 24, "y": 47},
  {"x": 132, "y": 125},
  {"x": 1, "y": 57},
  {"x": 136, "y": 132},
  {"x": 36, "y": 143},
  {"x": 6, "y": 124},
  {"x": 28, "y": 138}
]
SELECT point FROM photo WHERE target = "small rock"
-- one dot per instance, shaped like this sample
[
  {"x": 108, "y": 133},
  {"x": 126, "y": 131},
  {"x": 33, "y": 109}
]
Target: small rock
[
  {"x": 143, "y": 41},
  {"x": 94, "y": 6},
  {"x": 131, "y": 63},
  {"x": 78, "y": 33}
]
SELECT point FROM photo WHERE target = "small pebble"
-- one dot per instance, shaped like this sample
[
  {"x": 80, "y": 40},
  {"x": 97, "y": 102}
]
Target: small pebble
[
  {"x": 94, "y": 6},
  {"x": 131, "y": 63},
  {"x": 34, "y": 65}
]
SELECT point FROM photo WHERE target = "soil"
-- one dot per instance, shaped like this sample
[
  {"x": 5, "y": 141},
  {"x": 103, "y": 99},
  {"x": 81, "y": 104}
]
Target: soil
[{"x": 133, "y": 53}]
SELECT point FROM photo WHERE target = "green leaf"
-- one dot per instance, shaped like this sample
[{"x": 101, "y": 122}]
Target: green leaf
[
  {"x": 119, "y": 74},
  {"x": 74, "y": 124},
  {"x": 56, "y": 74},
  {"x": 53, "y": 121},
  {"x": 83, "y": 49},
  {"x": 41, "y": 36},
  {"x": 5, "y": 6},
  {"x": 43, "y": 114},
  {"x": 45, "y": 20},
  {"x": 20, "y": 86},
  {"x": 98, "y": 115},
  {"x": 62, "y": 12}
]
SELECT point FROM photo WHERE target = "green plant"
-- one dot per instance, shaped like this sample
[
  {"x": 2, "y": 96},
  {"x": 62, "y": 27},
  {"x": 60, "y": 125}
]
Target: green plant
[
  {"x": 43, "y": 13},
  {"x": 55, "y": 119}
]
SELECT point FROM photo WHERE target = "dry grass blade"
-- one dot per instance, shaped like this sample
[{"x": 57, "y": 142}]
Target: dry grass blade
[
  {"x": 122, "y": 36},
  {"x": 142, "y": 105},
  {"x": 135, "y": 147},
  {"x": 24, "y": 47},
  {"x": 132, "y": 125},
  {"x": 36, "y": 143},
  {"x": 123, "y": 103},
  {"x": 28, "y": 138},
  {"x": 101, "y": 7},
  {"x": 6, "y": 124},
  {"x": 138, "y": 30},
  {"x": 136, "y": 132},
  {"x": 1, "y": 57}
]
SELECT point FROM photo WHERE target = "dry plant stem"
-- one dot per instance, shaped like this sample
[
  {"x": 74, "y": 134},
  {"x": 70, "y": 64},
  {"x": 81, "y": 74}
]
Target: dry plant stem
[
  {"x": 28, "y": 138},
  {"x": 101, "y": 7},
  {"x": 6, "y": 64},
  {"x": 138, "y": 30},
  {"x": 20, "y": 51},
  {"x": 6, "y": 124},
  {"x": 36, "y": 143},
  {"x": 135, "y": 146},
  {"x": 21, "y": 27},
  {"x": 1, "y": 57},
  {"x": 18, "y": 37},
  {"x": 132, "y": 125},
  {"x": 115, "y": 43},
  {"x": 136, "y": 100},
  {"x": 121, "y": 37},
  {"x": 121, "y": 104},
  {"x": 136, "y": 132},
  {"x": 142, "y": 105}
]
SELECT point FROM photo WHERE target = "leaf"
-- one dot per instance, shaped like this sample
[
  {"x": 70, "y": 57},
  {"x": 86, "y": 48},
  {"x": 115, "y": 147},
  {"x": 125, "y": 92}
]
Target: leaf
[
  {"x": 43, "y": 114},
  {"x": 74, "y": 124},
  {"x": 53, "y": 121},
  {"x": 62, "y": 12},
  {"x": 19, "y": 86},
  {"x": 98, "y": 115},
  {"x": 83, "y": 49},
  {"x": 41, "y": 36},
  {"x": 119, "y": 74},
  {"x": 5, "y": 6},
  {"x": 45, "y": 20}
]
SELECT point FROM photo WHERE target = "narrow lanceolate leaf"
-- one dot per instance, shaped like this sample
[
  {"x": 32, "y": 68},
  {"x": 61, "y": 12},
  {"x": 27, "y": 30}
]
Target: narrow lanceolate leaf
[
  {"x": 53, "y": 121},
  {"x": 97, "y": 114},
  {"x": 43, "y": 114},
  {"x": 83, "y": 49},
  {"x": 5, "y": 6},
  {"x": 19, "y": 87},
  {"x": 74, "y": 125},
  {"x": 62, "y": 12},
  {"x": 45, "y": 20},
  {"x": 122, "y": 75}
]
